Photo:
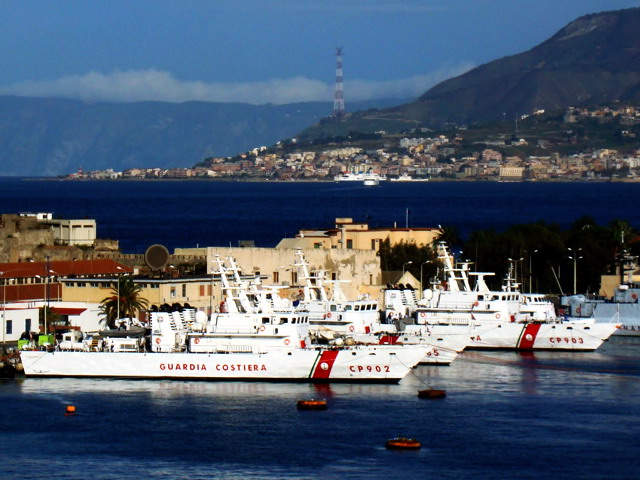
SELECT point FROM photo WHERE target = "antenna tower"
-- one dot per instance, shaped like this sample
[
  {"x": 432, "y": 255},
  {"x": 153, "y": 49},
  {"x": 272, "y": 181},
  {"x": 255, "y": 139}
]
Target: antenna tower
[{"x": 338, "y": 98}]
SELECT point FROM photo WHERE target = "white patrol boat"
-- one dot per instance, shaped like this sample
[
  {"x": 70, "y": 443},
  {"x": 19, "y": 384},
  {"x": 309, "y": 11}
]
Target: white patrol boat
[
  {"x": 339, "y": 320},
  {"x": 503, "y": 319},
  {"x": 245, "y": 341}
]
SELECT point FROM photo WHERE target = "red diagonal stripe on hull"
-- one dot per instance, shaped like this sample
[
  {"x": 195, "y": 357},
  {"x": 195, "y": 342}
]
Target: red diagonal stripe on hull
[
  {"x": 529, "y": 335},
  {"x": 325, "y": 364},
  {"x": 388, "y": 340}
]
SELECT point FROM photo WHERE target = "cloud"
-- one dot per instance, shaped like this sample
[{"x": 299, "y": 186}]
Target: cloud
[{"x": 154, "y": 85}]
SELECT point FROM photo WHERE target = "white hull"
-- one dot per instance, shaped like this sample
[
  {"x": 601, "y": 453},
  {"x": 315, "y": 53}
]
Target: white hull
[
  {"x": 359, "y": 364},
  {"x": 576, "y": 336},
  {"x": 439, "y": 349}
]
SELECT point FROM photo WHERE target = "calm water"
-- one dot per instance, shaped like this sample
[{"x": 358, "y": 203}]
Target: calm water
[
  {"x": 506, "y": 416},
  {"x": 206, "y": 213}
]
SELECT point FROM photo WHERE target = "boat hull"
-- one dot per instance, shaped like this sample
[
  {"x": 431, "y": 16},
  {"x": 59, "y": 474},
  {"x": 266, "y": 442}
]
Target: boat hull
[
  {"x": 573, "y": 336},
  {"x": 369, "y": 365}
]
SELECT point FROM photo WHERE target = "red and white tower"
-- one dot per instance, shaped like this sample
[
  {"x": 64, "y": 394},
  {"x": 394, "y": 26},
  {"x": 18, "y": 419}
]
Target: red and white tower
[{"x": 338, "y": 97}]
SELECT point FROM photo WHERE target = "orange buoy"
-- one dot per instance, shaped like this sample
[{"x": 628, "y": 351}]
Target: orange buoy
[
  {"x": 401, "y": 443},
  {"x": 71, "y": 410},
  {"x": 312, "y": 404},
  {"x": 432, "y": 393}
]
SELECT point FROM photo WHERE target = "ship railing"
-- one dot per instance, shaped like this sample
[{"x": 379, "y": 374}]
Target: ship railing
[{"x": 234, "y": 349}]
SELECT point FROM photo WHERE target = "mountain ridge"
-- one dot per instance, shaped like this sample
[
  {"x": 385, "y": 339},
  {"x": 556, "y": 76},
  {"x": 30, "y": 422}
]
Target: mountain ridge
[{"x": 52, "y": 136}]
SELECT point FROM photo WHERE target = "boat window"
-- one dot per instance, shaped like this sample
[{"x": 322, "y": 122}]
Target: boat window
[
  {"x": 481, "y": 298},
  {"x": 283, "y": 320},
  {"x": 265, "y": 320},
  {"x": 348, "y": 307},
  {"x": 333, "y": 307}
]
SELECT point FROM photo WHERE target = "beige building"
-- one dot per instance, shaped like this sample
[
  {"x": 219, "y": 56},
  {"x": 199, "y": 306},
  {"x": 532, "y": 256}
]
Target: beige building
[
  {"x": 511, "y": 173},
  {"x": 358, "y": 270},
  {"x": 74, "y": 232},
  {"x": 198, "y": 292},
  {"x": 358, "y": 236}
]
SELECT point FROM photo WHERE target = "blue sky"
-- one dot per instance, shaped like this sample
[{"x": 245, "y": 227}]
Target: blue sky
[{"x": 262, "y": 51}]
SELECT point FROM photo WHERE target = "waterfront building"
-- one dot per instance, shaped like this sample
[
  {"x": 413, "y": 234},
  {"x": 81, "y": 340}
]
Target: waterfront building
[
  {"x": 27, "y": 287},
  {"x": 352, "y": 235}
]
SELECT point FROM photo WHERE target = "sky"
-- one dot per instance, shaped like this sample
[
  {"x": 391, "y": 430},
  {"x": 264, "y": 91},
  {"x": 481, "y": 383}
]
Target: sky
[{"x": 263, "y": 51}]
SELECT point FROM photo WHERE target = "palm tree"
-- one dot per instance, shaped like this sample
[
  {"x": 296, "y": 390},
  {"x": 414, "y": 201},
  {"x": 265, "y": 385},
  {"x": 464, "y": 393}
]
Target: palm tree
[
  {"x": 449, "y": 235},
  {"x": 124, "y": 301}
]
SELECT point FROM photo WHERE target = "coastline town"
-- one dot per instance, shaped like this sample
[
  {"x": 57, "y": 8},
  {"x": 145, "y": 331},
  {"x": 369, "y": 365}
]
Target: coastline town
[{"x": 496, "y": 157}]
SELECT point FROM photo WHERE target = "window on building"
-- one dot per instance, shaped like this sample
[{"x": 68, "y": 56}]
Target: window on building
[
  {"x": 294, "y": 278},
  {"x": 172, "y": 293},
  {"x": 317, "y": 245},
  {"x": 276, "y": 277},
  {"x": 184, "y": 289},
  {"x": 202, "y": 287},
  {"x": 27, "y": 325},
  {"x": 9, "y": 327},
  {"x": 334, "y": 275},
  {"x": 349, "y": 243},
  {"x": 370, "y": 279}
]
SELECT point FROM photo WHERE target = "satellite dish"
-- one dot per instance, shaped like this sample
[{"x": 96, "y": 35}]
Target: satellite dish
[{"x": 156, "y": 257}]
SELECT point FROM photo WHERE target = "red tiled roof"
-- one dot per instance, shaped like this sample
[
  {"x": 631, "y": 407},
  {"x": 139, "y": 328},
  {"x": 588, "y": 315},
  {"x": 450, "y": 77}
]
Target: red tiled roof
[{"x": 63, "y": 268}]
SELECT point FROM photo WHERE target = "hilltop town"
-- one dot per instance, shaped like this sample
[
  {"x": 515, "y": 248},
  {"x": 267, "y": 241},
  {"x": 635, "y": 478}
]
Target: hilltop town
[{"x": 579, "y": 144}]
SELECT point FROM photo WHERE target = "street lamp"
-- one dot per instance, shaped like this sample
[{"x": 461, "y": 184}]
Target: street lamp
[
  {"x": 530, "y": 270},
  {"x": 422, "y": 265},
  {"x": 574, "y": 256},
  {"x": 118, "y": 294},
  {"x": 4, "y": 308},
  {"x": 515, "y": 271},
  {"x": 406, "y": 263}
]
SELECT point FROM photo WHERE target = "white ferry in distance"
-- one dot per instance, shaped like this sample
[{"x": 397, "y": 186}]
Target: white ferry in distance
[
  {"x": 246, "y": 340},
  {"x": 405, "y": 177},
  {"x": 367, "y": 178}
]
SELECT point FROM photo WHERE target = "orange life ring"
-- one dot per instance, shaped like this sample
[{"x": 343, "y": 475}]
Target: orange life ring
[
  {"x": 476, "y": 304},
  {"x": 497, "y": 316},
  {"x": 197, "y": 340},
  {"x": 287, "y": 341},
  {"x": 351, "y": 328},
  {"x": 261, "y": 328},
  {"x": 158, "y": 340},
  {"x": 423, "y": 314},
  {"x": 329, "y": 315}
]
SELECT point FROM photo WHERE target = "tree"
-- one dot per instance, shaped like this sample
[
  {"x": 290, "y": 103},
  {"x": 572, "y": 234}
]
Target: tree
[
  {"x": 449, "y": 235},
  {"x": 124, "y": 300}
]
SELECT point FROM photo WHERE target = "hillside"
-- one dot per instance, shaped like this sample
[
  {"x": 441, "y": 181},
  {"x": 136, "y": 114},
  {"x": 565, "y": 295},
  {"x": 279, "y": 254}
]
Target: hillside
[
  {"x": 49, "y": 137},
  {"x": 595, "y": 59}
]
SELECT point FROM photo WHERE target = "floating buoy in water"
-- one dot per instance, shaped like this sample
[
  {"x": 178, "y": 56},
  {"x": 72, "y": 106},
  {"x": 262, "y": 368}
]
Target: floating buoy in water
[
  {"x": 71, "y": 410},
  {"x": 402, "y": 443},
  {"x": 432, "y": 393},
  {"x": 312, "y": 404}
]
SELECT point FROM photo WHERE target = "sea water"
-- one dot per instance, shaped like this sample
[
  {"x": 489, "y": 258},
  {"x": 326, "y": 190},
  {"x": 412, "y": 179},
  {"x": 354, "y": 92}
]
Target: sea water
[
  {"x": 548, "y": 415},
  {"x": 506, "y": 415},
  {"x": 213, "y": 213}
]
